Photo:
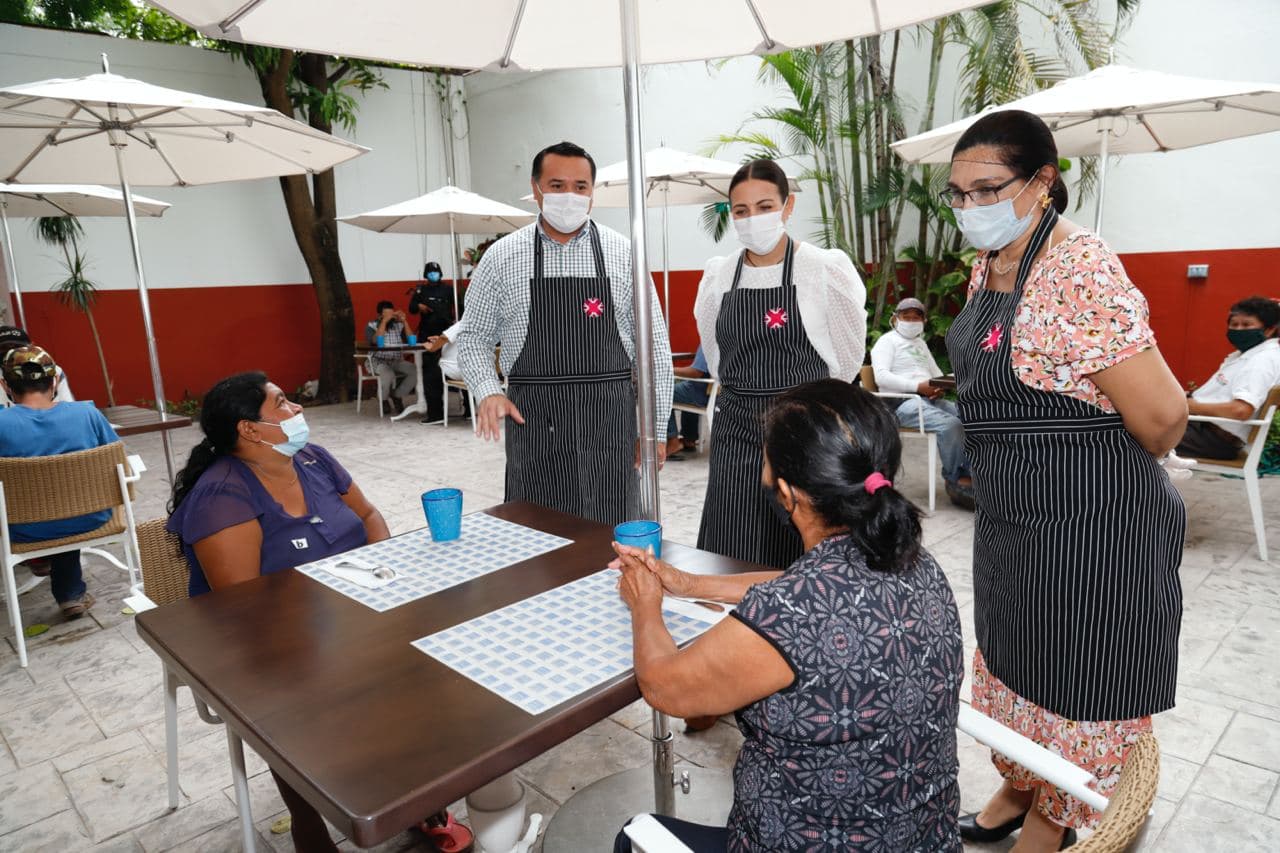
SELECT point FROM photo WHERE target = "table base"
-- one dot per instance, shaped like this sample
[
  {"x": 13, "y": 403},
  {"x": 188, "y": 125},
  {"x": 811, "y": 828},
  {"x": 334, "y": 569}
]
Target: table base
[{"x": 588, "y": 822}]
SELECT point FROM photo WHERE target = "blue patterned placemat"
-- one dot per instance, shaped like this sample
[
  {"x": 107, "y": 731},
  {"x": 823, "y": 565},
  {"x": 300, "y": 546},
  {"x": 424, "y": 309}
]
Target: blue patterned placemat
[
  {"x": 426, "y": 567},
  {"x": 550, "y": 648}
]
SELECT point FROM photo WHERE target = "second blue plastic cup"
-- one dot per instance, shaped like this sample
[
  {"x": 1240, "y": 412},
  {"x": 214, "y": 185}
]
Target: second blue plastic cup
[
  {"x": 640, "y": 534},
  {"x": 381, "y": 341},
  {"x": 443, "y": 508},
  {"x": 413, "y": 340}
]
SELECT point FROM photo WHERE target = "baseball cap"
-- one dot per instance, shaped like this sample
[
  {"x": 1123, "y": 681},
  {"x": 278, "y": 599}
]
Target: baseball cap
[
  {"x": 909, "y": 303},
  {"x": 10, "y": 337},
  {"x": 26, "y": 362}
]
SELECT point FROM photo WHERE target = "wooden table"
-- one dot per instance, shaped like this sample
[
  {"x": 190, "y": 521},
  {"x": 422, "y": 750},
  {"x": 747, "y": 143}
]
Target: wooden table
[
  {"x": 946, "y": 383},
  {"x": 135, "y": 420},
  {"x": 372, "y": 732},
  {"x": 682, "y": 356}
]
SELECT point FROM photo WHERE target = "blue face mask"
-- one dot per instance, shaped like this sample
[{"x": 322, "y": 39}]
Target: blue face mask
[
  {"x": 433, "y": 277},
  {"x": 296, "y": 433},
  {"x": 993, "y": 226}
]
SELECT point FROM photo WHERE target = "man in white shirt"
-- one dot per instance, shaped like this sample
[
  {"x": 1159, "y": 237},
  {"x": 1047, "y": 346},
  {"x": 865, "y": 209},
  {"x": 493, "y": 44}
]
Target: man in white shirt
[
  {"x": 1241, "y": 384},
  {"x": 446, "y": 343},
  {"x": 903, "y": 365}
]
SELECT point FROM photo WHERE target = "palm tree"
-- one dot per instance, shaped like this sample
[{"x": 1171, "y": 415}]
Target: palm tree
[{"x": 75, "y": 291}]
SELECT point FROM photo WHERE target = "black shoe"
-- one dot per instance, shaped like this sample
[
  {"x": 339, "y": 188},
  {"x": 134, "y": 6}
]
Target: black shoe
[
  {"x": 971, "y": 830},
  {"x": 430, "y": 418},
  {"x": 1068, "y": 839},
  {"x": 961, "y": 496}
]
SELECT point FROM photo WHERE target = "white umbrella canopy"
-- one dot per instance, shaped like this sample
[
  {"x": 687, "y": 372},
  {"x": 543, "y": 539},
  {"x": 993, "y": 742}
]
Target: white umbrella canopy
[
  {"x": 443, "y": 211},
  {"x": 104, "y": 127},
  {"x": 672, "y": 176},
  {"x": 1142, "y": 110},
  {"x": 57, "y": 131},
  {"x": 31, "y": 201},
  {"x": 448, "y": 210},
  {"x": 542, "y": 34}
]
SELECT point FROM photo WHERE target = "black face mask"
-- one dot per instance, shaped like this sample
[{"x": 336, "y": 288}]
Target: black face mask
[
  {"x": 772, "y": 498},
  {"x": 1246, "y": 339}
]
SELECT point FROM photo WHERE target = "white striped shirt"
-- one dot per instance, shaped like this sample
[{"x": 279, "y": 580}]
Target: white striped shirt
[{"x": 497, "y": 305}]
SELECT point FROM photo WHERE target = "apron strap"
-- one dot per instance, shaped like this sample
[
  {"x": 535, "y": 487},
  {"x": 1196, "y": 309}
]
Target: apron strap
[
  {"x": 1038, "y": 238},
  {"x": 596, "y": 250},
  {"x": 787, "y": 264}
]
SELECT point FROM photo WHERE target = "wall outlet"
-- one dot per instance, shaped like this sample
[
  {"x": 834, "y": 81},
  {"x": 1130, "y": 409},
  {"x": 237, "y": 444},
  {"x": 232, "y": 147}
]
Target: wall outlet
[{"x": 1197, "y": 270}]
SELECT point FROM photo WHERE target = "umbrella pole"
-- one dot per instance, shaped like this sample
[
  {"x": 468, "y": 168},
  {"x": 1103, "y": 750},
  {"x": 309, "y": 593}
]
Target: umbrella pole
[
  {"x": 157, "y": 386},
  {"x": 13, "y": 264},
  {"x": 453, "y": 249},
  {"x": 666, "y": 265},
  {"x": 1103, "y": 149}
]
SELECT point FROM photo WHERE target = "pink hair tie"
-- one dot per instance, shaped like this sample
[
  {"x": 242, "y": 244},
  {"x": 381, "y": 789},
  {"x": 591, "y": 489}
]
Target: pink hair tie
[{"x": 875, "y": 482}]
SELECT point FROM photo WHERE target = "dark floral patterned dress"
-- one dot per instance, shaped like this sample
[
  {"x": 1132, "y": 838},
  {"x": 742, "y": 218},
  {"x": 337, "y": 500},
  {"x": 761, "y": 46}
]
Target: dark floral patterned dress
[{"x": 859, "y": 753}]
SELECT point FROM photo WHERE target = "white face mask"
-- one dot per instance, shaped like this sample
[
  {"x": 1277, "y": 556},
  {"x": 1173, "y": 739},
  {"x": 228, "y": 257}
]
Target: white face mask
[
  {"x": 761, "y": 233},
  {"x": 910, "y": 329},
  {"x": 565, "y": 212},
  {"x": 993, "y": 226}
]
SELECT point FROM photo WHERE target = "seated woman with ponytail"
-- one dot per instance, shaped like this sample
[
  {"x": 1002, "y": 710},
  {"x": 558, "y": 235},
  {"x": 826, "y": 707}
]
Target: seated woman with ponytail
[
  {"x": 844, "y": 670},
  {"x": 256, "y": 498}
]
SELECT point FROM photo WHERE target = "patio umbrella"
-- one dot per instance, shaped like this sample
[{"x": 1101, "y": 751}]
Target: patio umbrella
[
  {"x": 675, "y": 177},
  {"x": 448, "y": 210},
  {"x": 537, "y": 34},
  {"x": 105, "y": 127},
  {"x": 1121, "y": 110},
  {"x": 33, "y": 201}
]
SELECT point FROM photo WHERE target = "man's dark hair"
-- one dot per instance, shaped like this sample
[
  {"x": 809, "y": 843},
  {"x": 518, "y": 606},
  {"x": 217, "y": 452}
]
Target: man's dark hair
[
  {"x": 22, "y": 386},
  {"x": 383, "y": 305},
  {"x": 1260, "y": 307},
  {"x": 562, "y": 149}
]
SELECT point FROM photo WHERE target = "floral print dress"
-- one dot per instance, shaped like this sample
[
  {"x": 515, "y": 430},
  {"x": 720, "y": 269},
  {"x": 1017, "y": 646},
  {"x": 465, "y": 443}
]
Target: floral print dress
[{"x": 859, "y": 753}]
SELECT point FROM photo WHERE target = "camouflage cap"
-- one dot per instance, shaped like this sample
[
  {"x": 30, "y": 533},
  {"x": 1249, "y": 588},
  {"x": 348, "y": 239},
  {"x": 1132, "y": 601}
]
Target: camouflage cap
[{"x": 27, "y": 363}]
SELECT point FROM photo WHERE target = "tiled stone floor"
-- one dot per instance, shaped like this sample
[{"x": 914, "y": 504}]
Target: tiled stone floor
[{"x": 82, "y": 734}]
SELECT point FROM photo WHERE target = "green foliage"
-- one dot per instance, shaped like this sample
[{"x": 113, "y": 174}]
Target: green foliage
[{"x": 188, "y": 406}]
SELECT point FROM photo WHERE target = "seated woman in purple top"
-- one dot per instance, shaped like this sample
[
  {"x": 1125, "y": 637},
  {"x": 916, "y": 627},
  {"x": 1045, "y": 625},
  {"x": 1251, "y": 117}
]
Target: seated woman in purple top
[
  {"x": 255, "y": 498},
  {"x": 844, "y": 670}
]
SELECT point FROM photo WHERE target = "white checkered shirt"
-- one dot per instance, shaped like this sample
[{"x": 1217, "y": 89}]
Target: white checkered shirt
[
  {"x": 392, "y": 337},
  {"x": 497, "y": 306}
]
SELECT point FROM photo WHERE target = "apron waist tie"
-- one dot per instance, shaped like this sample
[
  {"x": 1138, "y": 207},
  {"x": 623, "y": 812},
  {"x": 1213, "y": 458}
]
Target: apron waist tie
[
  {"x": 1102, "y": 423},
  {"x": 580, "y": 379},
  {"x": 755, "y": 392}
]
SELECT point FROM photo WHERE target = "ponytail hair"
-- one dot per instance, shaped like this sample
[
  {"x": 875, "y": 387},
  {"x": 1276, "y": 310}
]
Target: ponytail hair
[
  {"x": 234, "y": 399},
  {"x": 826, "y": 439}
]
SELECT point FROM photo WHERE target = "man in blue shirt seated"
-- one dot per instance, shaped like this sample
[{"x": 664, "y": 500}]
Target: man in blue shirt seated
[{"x": 38, "y": 425}]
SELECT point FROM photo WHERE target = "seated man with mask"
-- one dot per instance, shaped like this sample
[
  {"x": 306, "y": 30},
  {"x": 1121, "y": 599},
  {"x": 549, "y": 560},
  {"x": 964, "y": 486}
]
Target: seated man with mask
[
  {"x": 903, "y": 365},
  {"x": 1240, "y": 385}
]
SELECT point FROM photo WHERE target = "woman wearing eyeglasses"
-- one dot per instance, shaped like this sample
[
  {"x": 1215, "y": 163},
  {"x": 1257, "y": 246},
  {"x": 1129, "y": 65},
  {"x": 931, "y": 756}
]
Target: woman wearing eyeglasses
[{"x": 1066, "y": 403}]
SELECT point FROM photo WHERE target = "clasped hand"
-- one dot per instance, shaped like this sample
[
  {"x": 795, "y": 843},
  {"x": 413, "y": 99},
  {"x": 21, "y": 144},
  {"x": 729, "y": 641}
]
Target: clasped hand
[{"x": 645, "y": 578}]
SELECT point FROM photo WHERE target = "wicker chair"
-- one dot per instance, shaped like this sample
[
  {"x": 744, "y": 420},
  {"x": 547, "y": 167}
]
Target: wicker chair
[
  {"x": 868, "y": 379},
  {"x": 49, "y": 488},
  {"x": 1125, "y": 817},
  {"x": 164, "y": 581}
]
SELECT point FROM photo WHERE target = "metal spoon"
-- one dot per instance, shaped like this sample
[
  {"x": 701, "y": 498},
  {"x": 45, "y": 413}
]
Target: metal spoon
[{"x": 380, "y": 572}]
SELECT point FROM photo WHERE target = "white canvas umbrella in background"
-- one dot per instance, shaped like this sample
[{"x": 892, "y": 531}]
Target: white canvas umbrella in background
[
  {"x": 672, "y": 177},
  {"x": 33, "y": 201},
  {"x": 1121, "y": 110},
  {"x": 105, "y": 127},
  {"x": 448, "y": 210},
  {"x": 558, "y": 34}
]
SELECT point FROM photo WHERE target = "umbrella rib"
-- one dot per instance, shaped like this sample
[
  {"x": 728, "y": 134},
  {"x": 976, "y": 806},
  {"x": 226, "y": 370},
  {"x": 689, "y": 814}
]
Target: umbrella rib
[
  {"x": 511, "y": 37},
  {"x": 764, "y": 33},
  {"x": 164, "y": 158},
  {"x": 1142, "y": 120},
  {"x": 49, "y": 139},
  {"x": 238, "y": 15}
]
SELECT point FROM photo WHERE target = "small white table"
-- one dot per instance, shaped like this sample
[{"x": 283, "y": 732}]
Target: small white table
[{"x": 419, "y": 405}]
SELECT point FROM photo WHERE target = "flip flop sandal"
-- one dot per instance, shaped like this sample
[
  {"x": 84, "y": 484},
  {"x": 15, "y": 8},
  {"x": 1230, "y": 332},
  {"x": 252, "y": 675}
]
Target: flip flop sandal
[{"x": 448, "y": 836}]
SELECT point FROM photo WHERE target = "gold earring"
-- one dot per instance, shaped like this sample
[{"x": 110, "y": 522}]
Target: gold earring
[{"x": 1044, "y": 200}]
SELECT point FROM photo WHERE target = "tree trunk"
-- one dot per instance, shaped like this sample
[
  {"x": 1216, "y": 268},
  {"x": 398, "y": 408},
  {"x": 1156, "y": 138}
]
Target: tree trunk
[
  {"x": 311, "y": 216},
  {"x": 102, "y": 358}
]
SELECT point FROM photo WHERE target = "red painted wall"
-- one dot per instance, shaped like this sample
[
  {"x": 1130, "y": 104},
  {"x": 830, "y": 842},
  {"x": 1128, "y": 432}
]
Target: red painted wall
[{"x": 206, "y": 333}]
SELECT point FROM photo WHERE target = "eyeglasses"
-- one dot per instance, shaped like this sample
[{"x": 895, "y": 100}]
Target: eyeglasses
[{"x": 982, "y": 196}]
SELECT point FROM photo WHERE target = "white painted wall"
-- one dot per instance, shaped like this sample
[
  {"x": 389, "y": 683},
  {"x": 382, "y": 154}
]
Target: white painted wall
[
  {"x": 238, "y": 234},
  {"x": 1215, "y": 197}
]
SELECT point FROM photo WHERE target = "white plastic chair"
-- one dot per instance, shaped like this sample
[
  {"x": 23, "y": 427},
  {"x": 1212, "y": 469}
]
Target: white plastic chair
[
  {"x": 704, "y": 412},
  {"x": 1246, "y": 465},
  {"x": 460, "y": 386},
  {"x": 47, "y": 488},
  {"x": 366, "y": 372},
  {"x": 931, "y": 440}
]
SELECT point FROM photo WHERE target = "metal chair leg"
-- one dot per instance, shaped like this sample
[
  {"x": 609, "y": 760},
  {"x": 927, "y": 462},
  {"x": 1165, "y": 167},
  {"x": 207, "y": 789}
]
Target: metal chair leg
[
  {"x": 235, "y": 748},
  {"x": 171, "y": 733}
]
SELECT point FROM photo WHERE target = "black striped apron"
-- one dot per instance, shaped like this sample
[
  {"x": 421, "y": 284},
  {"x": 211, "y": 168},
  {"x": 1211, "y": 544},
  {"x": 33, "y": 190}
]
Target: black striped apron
[
  {"x": 763, "y": 351},
  {"x": 572, "y": 383},
  {"x": 1078, "y": 532}
]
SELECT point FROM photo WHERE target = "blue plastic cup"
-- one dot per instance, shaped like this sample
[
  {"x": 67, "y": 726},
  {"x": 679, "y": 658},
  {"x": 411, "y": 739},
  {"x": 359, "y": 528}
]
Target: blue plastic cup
[
  {"x": 640, "y": 534},
  {"x": 413, "y": 340},
  {"x": 381, "y": 341},
  {"x": 443, "y": 508}
]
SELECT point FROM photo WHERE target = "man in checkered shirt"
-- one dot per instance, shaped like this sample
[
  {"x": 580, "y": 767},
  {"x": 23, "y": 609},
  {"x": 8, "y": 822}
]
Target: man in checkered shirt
[{"x": 557, "y": 295}]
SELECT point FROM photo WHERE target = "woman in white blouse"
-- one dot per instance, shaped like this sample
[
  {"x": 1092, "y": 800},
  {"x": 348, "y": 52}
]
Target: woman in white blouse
[{"x": 775, "y": 315}]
